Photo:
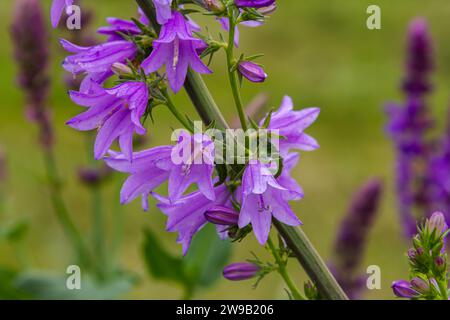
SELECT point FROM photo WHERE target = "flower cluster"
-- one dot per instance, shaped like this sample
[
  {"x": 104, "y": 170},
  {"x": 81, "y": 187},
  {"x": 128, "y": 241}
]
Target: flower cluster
[
  {"x": 422, "y": 163},
  {"x": 428, "y": 263},
  {"x": 148, "y": 57}
]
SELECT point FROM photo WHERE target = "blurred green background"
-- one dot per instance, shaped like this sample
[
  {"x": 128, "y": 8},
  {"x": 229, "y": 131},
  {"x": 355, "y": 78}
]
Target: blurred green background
[{"x": 319, "y": 52}]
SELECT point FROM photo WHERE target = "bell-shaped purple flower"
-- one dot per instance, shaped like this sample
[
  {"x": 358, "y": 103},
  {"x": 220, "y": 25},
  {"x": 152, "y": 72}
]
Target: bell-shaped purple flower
[
  {"x": 254, "y": 3},
  {"x": 240, "y": 271},
  {"x": 291, "y": 125},
  {"x": 116, "y": 112},
  {"x": 190, "y": 161},
  {"x": 96, "y": 61},
  {"x": 163, "y": 10},
  {"x": 175, "y": 48},
  {"x": 57, "y": 9},
  {"x": 263, "y": 198},
  {"x": 403, "y": 289},
  {"x": 187, "y": 215},
  {"x": 117, "y": 26},
  {"x": 252, "y": 71},
  {"x": 146, "y": 172}
]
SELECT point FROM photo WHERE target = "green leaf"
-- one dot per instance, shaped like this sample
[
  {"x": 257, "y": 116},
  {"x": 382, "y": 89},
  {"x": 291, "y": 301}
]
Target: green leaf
[
  {"x": 161, "y": 264},
  {"x": 47, "y": 286},
  {"x": 206, "y": 258}
]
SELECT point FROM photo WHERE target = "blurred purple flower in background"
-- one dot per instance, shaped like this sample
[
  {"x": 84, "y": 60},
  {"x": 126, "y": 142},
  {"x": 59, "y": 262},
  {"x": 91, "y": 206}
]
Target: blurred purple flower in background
[
  {"x": 408, "y": 126},
  {"x": 31, "y": 50},
  {"x": 352, "y": 237}
]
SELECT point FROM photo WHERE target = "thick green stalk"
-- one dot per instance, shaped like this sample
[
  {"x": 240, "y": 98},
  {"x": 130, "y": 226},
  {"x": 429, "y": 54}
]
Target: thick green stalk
[
  {"x": 283, "y": 272},
  {"x": 311, "y": 261},
  {"x": 297, "y": 241}
]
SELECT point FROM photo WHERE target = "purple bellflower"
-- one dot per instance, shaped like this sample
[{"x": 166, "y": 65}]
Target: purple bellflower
[
  {"x": 176, "y": 48},
  {"x": 96, "y": 61},
  {"x": 263, "y": 198},
  {"x": 116, "y": 112},
  {"x": 187, "y": 215},
  {"x": 57, "y": 10},
  {"x": 153, "y": 167},
  {"x": 291, "y": 125},
  {"x": 163, "y": 10}
]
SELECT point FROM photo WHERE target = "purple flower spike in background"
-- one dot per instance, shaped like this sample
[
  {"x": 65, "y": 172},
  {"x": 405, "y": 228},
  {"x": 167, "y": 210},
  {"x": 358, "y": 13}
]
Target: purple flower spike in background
[
  {"x": 175, "y": 48},
  {"x": 352, "y": 237},
  {"x": 403, "y": 289},
  {"x": 252, "y": 71},
  {"x": 116, "y": 112},
  {"x": 163, "y": 10},
  {"x": 254, "y": 3},
  {"x": 263, "y": 198},
  {"x": 291, "y": 125},
  {"x": 241, "y": 271},
  {"x": 57, "y": 9},
  {"x": 187, "y": 215},
  {"x": 408, "y": 127},
  {"x": 31, "y": 51}
]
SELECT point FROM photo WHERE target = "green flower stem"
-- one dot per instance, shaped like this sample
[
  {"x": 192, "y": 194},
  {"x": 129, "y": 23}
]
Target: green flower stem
[
  {"x": 182, "y": 119},
  {"x": 283, "y": 272},
  {"x": 61, "y": 210},
  {"x": 443, "y": 287},
  {"x": 297, "y": 241},
  {"x": 232, "y": 73},
  {"x": 311, "y": 261}
]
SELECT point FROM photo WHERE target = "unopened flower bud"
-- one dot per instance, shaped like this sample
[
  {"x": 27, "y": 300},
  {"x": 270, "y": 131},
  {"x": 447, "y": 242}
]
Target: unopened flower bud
[
  {"x": 420, "y": 285},
  {"x": 403, "y": 289},
  {"x": 240, "y": 271},
  {"x": 214, "y": 5},
  {"x": 437, "y": 222},
  {"x": 412, "y": 254},
  {"x": 254, "y": 3},
  {"x": 440, "y": 262},
  {"x": 121, "y": 69},
  {"x": 222, "y": 216},
  {"x": 252, "y": 71}
]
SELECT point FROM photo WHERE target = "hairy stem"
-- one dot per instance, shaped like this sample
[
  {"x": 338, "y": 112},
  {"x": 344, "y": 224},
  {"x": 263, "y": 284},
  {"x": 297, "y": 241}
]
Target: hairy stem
[{"x": 283, "y": 272}]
